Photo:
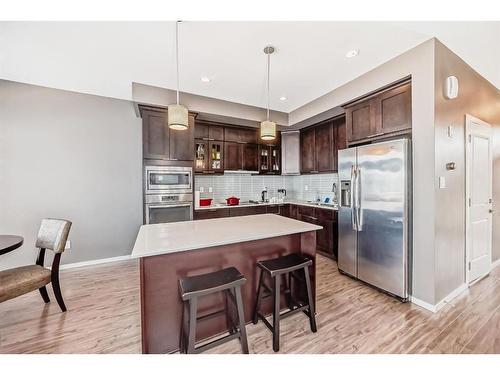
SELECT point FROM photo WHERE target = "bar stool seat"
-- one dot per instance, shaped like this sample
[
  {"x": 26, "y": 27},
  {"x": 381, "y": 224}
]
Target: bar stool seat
[
  {"x": 287, "y": 267},
  {"x": 228, "y": 281},
  {"x": 284, "y": 264},
  {"x": 210, "y": 282}
]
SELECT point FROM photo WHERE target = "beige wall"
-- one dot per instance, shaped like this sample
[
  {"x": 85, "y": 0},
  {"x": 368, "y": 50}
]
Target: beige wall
[
  {"x": 73, "y": 156},
  {"x": 481, "y": 99},
  {"x": 419, "y": 64}
]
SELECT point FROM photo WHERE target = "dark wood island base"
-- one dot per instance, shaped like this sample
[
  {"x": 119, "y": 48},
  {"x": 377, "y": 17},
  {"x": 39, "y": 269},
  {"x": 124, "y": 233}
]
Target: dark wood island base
[{"x": 161, "y": 305}]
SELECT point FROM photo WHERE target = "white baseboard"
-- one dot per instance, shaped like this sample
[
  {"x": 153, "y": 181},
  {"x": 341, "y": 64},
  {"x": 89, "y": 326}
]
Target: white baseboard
[
  {"x": 496, "y": 263},
  {"x": 423, "y": 304},
  {"x": 94, "y": 262},
  {"x": 435, "y": 308}
]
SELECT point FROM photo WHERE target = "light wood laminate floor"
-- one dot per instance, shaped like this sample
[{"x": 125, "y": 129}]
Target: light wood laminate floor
[{"x": 103, "y": 317}]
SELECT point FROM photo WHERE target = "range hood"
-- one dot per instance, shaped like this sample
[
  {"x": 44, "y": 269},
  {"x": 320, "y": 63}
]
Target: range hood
[{"x": 240, "y": 171}]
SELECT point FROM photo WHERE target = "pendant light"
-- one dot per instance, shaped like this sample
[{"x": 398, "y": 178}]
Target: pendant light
[
  {"x": 177, "y": 114},
  {"x": 268, "y": 128}
]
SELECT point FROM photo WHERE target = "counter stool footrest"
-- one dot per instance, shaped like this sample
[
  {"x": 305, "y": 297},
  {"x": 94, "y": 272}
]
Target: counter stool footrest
[{"x": 213, "y": 344}]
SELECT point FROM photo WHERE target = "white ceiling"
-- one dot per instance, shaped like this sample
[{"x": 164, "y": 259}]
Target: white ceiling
[{"x": 105, "y": 58}]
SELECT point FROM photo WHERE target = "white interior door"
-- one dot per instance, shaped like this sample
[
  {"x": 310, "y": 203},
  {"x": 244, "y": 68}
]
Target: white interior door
[{"x": 479, "y": 198}]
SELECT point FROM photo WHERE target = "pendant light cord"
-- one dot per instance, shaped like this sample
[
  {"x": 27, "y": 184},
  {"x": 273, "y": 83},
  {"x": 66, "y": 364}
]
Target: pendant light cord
[
  {"x": 177, "y": 56},
  {"x": 268, "y": 74}
]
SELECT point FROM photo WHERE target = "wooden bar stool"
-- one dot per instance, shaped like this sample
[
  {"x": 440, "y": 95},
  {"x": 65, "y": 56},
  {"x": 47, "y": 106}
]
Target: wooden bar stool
[
  {"x": 277, "y": 268},
  {"x": 228, "y": 281}
]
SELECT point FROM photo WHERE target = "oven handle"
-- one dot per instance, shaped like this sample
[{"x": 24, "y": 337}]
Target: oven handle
[{"x": 169, "y": 205}]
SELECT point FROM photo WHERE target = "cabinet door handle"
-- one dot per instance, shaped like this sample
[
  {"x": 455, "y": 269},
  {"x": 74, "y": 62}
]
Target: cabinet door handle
[
  {"x": 313, "y": 172},
  {"x": 374, "y": 135}
]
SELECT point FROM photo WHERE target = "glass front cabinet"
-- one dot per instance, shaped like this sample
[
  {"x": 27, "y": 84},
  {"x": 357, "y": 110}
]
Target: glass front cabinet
[
  {"x": 269, "y": 160},
  {"x": 209, "y": 156}
]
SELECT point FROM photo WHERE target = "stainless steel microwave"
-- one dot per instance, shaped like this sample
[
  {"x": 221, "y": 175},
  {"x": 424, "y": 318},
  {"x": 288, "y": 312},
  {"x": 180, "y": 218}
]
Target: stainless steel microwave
[{"x": 165, "y": 179}]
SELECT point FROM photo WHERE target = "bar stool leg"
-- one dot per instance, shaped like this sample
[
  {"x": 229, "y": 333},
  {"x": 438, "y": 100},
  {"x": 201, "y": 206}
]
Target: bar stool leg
[
  {"x": 276, "y": 314},
  {"x": 193, "y": 306},
  {"x": 241, "y": 320},
  {"x": 310, "y": 302},
  {"x": 182, "y": 343},
  {"x": 256, "y": 308}
]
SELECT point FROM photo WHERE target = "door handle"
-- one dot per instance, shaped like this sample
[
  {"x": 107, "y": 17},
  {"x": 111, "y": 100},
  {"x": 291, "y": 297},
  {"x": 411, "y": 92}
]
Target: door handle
[
  {"x": 359, "y": 215},
  {"x": 352, "y": 203}
]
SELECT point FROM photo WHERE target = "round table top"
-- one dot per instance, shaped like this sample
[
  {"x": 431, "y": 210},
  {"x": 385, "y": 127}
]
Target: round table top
[{"x": 9, "y": 243}]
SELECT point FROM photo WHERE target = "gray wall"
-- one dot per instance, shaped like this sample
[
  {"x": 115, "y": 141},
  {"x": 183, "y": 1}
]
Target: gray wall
[
  {"x": 482, "y": 100},
  {"x": 73, "y": 156},
  {"x": 419, "y": 63}
]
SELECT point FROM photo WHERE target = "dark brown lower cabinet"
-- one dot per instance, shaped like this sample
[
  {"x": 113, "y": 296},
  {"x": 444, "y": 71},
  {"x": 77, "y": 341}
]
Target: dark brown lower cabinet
[
  {"x": 243, "y": 211},
  {"x": 326, "y": 238},
  {"x": 211, "y": 214}
]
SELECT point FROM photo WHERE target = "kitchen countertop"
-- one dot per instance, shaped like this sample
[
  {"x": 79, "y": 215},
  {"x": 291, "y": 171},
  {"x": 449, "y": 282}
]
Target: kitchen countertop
[
  {"x": 290, "y": 201},
  {"x": 157, "y": 239}
]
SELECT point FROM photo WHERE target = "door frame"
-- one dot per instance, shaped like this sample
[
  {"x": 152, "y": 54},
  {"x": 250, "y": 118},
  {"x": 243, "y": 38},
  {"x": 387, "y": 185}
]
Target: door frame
[{"x": 468, "y": 119}]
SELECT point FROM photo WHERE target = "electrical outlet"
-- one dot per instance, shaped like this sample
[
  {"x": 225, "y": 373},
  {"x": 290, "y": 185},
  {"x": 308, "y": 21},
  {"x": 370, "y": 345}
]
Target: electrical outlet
[
  {"x": 306, "y": 187},
  {"x": 68, "y": 245},
  {"x": 202, "y": 189},
  {"x": 210, "y": 189}
]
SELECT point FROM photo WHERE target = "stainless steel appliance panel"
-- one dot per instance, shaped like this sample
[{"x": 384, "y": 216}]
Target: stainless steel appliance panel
[
  {"x": 347, "y": 250},
  {"x": 168, "y": 208},
  {"x": 382, "y": 220},
  {"x": 166, "y": 179}
]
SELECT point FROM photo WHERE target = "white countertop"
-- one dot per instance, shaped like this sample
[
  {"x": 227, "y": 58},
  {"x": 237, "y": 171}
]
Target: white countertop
[
  {"x": 216, "y": 206},
  {"x": 157, "y": 239}
]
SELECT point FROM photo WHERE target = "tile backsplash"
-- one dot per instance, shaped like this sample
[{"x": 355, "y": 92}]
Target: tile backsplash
[{"x": 249, "y": 187}]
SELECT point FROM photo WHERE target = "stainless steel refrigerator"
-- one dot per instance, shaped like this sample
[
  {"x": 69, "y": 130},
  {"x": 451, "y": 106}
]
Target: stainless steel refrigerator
[{"x": 375, "y": 214}]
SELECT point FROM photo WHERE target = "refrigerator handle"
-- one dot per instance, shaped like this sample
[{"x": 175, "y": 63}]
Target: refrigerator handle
[
  {"x": 359, "y": 210},
  {"x": 353, "y": 199}
]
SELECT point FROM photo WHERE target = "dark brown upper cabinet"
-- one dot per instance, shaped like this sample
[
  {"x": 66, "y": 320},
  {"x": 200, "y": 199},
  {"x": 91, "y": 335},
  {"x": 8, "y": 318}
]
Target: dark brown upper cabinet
[
  {"x": 307, "y": 151},
  {"x": 324, "y": 147},
  {"x": 340, "y": 139},
  {"x": 395, "y": 110},
  {"x": 208, "y": 131},
  {"x": 233, "y": 156},
  {"x": 269, "y": 159},
  {"x": 209, "y": 156},
  {"x": 381, "y": 115},
  {"x": 250, "y": 157},
  {"x": 161, "y": 142},
  {"x": 242, "y": 135},
  {"x": 319, "y": 145}
]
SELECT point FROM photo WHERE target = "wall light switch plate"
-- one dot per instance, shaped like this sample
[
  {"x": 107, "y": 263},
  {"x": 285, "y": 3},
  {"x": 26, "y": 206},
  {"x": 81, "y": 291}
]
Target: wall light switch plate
[
  {"x": 202, "y": 189},
  {"x": 210, "y": 189},
  {"x": 68, "y": 245},
  {"x": 306, "y": 187},
  {"x": 442, "y": 182}
]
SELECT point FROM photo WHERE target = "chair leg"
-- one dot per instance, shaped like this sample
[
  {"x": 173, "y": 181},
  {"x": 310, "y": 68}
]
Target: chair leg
[
  {"x": 259, "y": 298},
  {"x": 276, "y": 314},
  {"x": 57, "y": 292},
  {"x": 310, "y": 302},
  {"x": 241, "y": 320},
  {"x": 193, "y": 306},
  {"x": 44, "y": 294}
]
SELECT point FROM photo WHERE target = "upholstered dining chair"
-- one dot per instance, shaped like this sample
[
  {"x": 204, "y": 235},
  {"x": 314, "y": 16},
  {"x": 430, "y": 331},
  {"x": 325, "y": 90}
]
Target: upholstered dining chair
[{"x": 14, "y": 282}]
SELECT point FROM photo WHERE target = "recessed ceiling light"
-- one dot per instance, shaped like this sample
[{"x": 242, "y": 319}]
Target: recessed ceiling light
[
  {"x": 283, "y": 98},
  {"x": 205, "y": 79},
  {"x": 352, "y": 53}
]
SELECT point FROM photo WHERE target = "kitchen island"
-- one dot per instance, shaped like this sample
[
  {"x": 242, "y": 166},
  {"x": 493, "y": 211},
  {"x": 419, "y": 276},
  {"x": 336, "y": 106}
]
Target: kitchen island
[{"x": 171, "y": 251}]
